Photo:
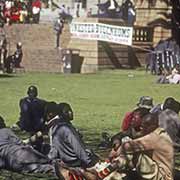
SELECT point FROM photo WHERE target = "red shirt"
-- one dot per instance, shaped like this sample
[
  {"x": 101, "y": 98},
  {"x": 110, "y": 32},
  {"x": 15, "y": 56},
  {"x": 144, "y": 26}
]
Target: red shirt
[
  {"x": 127, "y": 121},
  {"x": 131, "y": 119}
]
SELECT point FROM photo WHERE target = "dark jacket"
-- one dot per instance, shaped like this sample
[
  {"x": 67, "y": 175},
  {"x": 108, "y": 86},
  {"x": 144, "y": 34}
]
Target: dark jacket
[
  {"x": 31, "y": 114},
  {"x": 58, "y": 26},
  {"x": 18, "y": 57},
  {"x": 16, "y": 156},
  {"x": 68, "y": 146},
  {"x": 169, "y": 120}
]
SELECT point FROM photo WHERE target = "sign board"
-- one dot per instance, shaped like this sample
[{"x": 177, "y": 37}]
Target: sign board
[{"x": 102, "y": 32}]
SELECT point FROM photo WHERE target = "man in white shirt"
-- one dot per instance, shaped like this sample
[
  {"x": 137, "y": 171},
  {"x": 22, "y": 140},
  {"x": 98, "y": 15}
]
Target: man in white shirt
[{"x": 175, "y": 79}]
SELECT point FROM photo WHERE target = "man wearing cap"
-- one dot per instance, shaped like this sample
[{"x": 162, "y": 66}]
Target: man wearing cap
[
  {"x": 132, "y": 120},
  {"x": 31, "y": 111}
]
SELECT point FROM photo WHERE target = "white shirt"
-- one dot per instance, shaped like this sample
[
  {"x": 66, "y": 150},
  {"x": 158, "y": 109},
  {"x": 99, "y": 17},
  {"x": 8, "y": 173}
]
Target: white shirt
[{"x": 175, "y": 79}]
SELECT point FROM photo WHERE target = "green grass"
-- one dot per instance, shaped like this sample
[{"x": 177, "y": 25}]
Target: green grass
[{"x": 99, "y": 100}]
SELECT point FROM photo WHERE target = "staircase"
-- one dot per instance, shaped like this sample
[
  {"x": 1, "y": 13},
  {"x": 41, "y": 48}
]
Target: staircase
[{"x": 38, "y": 40}]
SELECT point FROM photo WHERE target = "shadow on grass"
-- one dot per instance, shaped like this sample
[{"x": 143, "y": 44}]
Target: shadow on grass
[
  {"x": 7, "y": 75},
  {"x": 93, "y": 139},
  {"x": 8, "y": 175}
]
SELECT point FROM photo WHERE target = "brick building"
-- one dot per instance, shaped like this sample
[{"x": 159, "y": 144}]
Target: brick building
[{"x": 40, "y": 54}]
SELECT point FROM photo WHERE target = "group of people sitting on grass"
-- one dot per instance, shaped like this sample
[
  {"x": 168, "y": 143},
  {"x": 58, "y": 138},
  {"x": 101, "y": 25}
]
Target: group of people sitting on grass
[{"x": 143, "y": 149}]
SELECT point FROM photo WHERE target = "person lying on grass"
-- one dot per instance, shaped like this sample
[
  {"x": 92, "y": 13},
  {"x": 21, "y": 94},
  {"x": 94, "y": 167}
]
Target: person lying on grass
[{"x": 18, "y": 157}]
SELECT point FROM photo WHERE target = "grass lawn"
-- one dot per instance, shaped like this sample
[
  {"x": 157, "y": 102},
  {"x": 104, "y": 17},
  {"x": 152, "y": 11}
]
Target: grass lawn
[{"x": 99, "y": 100}]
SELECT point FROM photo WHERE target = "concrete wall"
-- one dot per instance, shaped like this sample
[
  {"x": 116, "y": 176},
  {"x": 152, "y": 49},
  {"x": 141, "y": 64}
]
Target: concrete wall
[{"x": 94, "y": 53}]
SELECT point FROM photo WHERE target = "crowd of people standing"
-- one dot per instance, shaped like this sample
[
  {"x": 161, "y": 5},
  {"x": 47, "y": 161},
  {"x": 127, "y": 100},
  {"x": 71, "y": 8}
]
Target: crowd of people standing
[{"x": 16, "y": 11}]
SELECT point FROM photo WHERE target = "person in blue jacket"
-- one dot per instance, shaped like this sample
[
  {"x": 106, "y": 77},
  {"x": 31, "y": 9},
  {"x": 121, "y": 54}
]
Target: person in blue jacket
[{"x": 31, "y": 111}]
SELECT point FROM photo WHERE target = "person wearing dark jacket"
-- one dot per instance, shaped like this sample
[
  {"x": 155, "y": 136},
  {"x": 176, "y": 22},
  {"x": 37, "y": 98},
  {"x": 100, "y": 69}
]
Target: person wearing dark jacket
[
  {"x": 66, "y": 143},
  {"x": 31, "y": 111},
  {"x": 170, "y": 121},
  {"x": 18, "y": 157},
  {"x": 18, "y": 55},
  {"x": 58, "y": 27}
]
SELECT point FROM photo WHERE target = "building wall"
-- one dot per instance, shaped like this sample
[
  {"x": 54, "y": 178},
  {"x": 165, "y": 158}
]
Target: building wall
[
  {"x": 38, "y": 44},
  {"x": 155, "y": 17},
  {"x": 94, "y": 53}
]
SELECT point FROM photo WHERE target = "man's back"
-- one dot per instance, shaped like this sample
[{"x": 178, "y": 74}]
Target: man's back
[
  {"x": 68, "y": 146},
  {"x": 31, "y": 115},
  {"x": 159, "y": 145},
  {"x": 169, "y": 120}
]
